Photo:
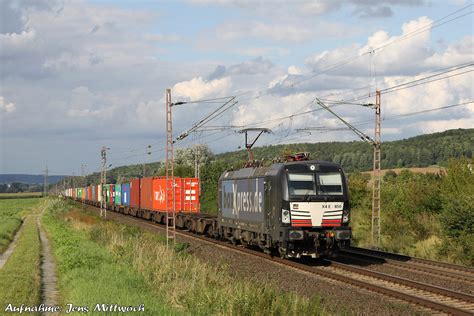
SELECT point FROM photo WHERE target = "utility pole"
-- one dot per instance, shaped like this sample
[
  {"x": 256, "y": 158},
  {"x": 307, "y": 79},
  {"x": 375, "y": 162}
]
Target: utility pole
[
  {"x": 144, "y": 162},
  {"x": 196, "y": 163},
  {"x": 376, "y": 176},
  {"x": 45, "y": 184},
  {"x": 170, "y": 183},
  {"x": 84, "y": 184},
  {"x": 103, "y": 180}
]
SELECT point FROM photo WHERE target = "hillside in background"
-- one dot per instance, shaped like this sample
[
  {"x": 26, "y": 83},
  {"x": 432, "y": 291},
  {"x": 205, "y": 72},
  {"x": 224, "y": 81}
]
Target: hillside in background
[
  {"x": 419, "y": 151},
  {"x": 28, "y": 179}
]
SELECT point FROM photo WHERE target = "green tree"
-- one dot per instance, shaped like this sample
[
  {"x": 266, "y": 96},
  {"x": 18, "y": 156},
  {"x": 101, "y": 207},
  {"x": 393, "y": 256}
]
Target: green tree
[{"x": 457, "y": 214}]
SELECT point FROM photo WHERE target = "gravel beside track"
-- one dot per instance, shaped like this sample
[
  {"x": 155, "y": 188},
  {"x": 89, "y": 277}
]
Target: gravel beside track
[
  {"x": 448, "y": 268},
  {"x": 336, "y": 296},
  {"x": 450, "y": 301},
  {"x": 412, "y": 272}
]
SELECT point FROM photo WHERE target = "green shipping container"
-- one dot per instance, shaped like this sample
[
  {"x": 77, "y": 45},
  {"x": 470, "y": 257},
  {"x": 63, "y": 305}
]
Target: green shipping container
[
  {"x": 107, "y": 193},
  {"x": 118, "y": 194}
]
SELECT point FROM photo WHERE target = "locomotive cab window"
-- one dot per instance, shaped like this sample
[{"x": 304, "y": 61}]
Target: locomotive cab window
[
  {"x": 301, "y": 184},
  {"x": 329, "y": 183}
]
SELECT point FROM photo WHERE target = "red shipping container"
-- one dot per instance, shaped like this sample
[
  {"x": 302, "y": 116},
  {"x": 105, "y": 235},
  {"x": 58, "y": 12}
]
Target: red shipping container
[
  {"x": 89, "y": 193},
  {"x": 112, "y": 193},
  {"x": 186, "y": 194},
  {"x": 135, "y": 193},
  {"x": 191, "y": 192},
  {"x": 146, "y": 193},
  {"x": 161, "y": 195}
]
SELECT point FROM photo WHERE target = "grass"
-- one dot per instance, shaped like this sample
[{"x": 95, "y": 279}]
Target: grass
[
  {"x": 21, "y": 195},
  {"x": 108, "y": 261},
  {"x": 11, "y": 213},
  {"x": 88, "y": 274},
  {"x": 20, "y": 276}
]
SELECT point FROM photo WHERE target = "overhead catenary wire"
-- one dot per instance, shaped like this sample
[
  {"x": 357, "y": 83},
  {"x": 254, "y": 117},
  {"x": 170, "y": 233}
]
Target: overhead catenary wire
[
  {"x": 392, "y": 117},
  {"x": 210, "y": 117}
]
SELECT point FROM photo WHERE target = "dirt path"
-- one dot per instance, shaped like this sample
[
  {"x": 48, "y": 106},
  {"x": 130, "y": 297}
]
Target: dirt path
[
  {"x": 49, "y": 293},
  {"x": 11, "y": 247}
]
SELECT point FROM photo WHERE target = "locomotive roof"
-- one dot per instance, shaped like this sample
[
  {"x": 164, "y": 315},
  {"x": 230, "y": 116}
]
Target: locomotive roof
[{"x": 277, "y": 167}]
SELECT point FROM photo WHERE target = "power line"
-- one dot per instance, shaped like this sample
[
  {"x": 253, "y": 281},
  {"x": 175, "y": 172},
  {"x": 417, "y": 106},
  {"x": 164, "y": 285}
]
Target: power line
[{"x": 411, "y": 85}]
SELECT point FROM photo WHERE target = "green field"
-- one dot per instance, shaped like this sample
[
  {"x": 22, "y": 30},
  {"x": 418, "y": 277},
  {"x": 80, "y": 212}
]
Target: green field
[
  {"x": 11, "y": 213},
  {"x": 20, "y": 276},
  {"x": 21, "y": 195}
]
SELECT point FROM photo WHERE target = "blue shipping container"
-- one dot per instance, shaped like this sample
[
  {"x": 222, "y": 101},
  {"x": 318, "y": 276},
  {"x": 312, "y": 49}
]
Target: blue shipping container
[{"x": 126, "y": 194}]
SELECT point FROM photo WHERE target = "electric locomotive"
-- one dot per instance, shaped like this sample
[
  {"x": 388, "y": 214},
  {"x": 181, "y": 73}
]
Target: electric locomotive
[{"x": 298, "y": 208}]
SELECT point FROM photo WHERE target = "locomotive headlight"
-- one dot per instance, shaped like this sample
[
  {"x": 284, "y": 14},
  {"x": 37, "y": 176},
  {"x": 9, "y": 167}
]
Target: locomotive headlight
[
  {"x": 285, "y": 216},
  {"x": 345, "y": 216}
]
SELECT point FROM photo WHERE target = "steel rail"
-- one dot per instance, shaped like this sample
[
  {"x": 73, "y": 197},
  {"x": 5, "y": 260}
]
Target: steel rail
[
  {"x": 440, "y": 272},
  {"x": 405, "y": 258},
  {"x": 399, "y": 280}
]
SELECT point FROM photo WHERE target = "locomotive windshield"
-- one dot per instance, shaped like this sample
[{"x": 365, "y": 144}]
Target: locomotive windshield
[
  {"x": 301, "y": 184},
  {"x": 314, "y": 184},
  {"x": 329, "y": 183}
]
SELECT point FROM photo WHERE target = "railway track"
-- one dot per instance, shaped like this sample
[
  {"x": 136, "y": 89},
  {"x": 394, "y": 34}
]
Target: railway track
[
  {"x": 430, "y": 297},
  {"x": 461, "y": 273}
]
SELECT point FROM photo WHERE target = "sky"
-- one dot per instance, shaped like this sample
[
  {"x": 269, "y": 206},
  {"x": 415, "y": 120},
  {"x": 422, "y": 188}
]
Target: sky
[{"x": 79, "y": 75}]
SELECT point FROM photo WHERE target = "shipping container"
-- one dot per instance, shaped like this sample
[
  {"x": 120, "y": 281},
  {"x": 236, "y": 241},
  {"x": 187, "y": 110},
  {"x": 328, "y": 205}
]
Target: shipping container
[
  {"x": 146, "y": 193},
  {"x": 99, "y": 193},
  {"x": 93, "y": 196},
  {"x": 118, "y": 194},
  {"x": 107, "y": 193},
  {"x": 89, "y": 193},
  {"x": 135, "y": 193},
  {"x": 163, "y": 198},
  {"x": 112, "y": 194},
  {"x": 125, "y": 194},
  {"x": 191, "y": 193},
  {"x": 186, "y": 195}
]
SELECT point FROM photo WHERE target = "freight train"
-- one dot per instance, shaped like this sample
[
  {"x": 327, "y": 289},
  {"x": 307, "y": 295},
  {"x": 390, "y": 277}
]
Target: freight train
[{"x": 290, "y": 209}]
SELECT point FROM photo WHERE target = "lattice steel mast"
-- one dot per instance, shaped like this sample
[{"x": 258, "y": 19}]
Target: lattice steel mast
[
  {"x": 170, "y": 184},
  {"x": 376, "y": 184},
  {"x": 45, "y": 184},
  {"x": 103, "y": 180}
]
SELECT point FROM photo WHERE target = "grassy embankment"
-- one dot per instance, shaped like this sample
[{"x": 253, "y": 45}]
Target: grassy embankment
[
  {"x": 20, "y": 276},
  {"x": 109, "y": 262},
  {"x": 11, "y": 214}
]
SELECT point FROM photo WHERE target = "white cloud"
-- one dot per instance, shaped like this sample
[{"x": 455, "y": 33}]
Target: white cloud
[
  {"x": 281, "y": 31},
  {"x": 442, "y": 125},
  {"x": 399, "y": 54},
  {"x": 198, "y": 88},
  {"x": 294, "y": 70},
  {"x": 6, "y": 107}
]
